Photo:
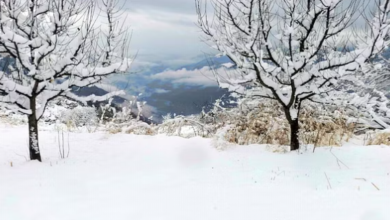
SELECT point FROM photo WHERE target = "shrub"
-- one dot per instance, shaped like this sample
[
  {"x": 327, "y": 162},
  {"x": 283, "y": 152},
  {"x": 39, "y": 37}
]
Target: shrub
[
  {"x": 189, "y": 126},
  {"x": 264, "y": 123},
  {"x": 378, "y": 138},
  {"x": 80, "y": 117}
]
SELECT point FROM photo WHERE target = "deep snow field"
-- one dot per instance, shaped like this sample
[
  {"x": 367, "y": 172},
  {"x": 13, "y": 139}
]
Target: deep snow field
[{"x": 128, "y": 177}]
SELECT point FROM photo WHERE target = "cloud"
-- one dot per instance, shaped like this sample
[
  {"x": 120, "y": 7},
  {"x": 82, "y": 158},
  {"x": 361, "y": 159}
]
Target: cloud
[
  {"x": 161, "y": 91},
  {"x": 107, "y": 87},
  {"x": 165, "y": 30},
  {"x": 203, "y": 77},
  {"x": 176, "y": 6},
  {"x": 162, "y": 34}
]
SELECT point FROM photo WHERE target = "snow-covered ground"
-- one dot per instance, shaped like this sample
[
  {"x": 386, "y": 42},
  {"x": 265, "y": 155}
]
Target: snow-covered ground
[{"x": 126, "y": 177}]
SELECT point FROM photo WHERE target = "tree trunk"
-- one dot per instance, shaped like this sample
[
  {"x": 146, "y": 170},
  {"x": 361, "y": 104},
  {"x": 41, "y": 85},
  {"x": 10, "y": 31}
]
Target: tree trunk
[
  {"x": 294, "y": 129},
  {"x": 35, "y": 154},
  {"x": 294, "y": 140}
]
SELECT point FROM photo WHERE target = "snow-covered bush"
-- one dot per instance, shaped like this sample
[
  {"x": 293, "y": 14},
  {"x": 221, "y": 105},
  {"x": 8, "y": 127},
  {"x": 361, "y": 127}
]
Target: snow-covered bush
[
  {"x": 106, "y": 112},
  {"x": 80, "y": 117},
  {"x": 123, "y": 121},
  {"x": 254, "y": 122},
  {"x": 186, "y": 126},
  {"x": 266, "y": 124},
  {"x": 12, "y": 118},
  {"x": 131, "y": 126},
  {"x": 126, "y": 120},
  {"x": 325, "y": 126},
  {"x": 222, "y": 137},
  {"x": 56, "y": 108},
  {"x": 139, "y": 128},
  {"x": 377, "y": 138}
]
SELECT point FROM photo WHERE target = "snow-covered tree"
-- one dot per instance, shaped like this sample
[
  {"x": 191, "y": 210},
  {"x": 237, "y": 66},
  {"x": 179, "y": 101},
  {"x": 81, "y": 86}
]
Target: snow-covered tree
[
  {"x": 293, "y": 51},
  {"x": 365, "y": 95},
  {"x": 57, "y": 46}
]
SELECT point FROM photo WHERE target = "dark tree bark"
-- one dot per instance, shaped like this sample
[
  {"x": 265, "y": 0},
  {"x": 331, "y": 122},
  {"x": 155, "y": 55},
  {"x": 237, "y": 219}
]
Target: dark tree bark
[
  {"x": 294, "y": 139},
  {"x": 294, "y": 129},
  {"x": 35, "y": 153}
]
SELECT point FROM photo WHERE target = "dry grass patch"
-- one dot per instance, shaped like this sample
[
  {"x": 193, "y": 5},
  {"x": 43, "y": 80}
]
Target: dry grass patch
[
  {"x": 380, "y": 138},
  {"x": 267, "y": 124}
]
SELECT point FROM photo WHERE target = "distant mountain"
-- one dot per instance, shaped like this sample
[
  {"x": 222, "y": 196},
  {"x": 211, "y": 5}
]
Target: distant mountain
[
  {"x": 215, "y": 62},
  {"x": 168, "y": 97},
  {"x": 182, "y": 99},
  {"x": 186, "y": 100},
  {"x": 87, "y": 91}
]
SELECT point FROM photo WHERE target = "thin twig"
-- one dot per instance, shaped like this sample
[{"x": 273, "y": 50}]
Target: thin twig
[
  {"x": 21, "y": 156},
  {"x": 59, "y": 144},
  {"x": 68, "y": 146},
  {"x": 315, "y": 144},
  {"x": 63, "y": 144},
  {"x": 375, "y": 186},
  {"x": 330, "y": 186},
  {"x": 339, "y": 161}
]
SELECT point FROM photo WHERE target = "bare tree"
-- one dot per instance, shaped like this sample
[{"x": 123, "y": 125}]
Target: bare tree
[
  {"x": 57, "y": 46},
  {"x": 292, "y": 50}
]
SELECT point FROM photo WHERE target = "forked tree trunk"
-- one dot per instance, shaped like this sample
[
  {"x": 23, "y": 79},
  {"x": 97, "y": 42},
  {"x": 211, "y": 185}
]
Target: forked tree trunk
[{"x": 35, "y": 153}]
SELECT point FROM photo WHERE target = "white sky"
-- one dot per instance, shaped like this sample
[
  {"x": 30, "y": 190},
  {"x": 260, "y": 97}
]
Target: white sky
[{"x": 165, "y": 30}]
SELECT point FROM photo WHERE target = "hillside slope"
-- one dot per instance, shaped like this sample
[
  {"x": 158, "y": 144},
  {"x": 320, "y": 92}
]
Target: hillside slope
[{"x": 157, "y": 177}]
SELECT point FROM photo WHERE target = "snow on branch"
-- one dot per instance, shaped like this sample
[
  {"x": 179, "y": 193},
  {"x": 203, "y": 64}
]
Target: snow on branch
[
  {"x": 57, "y": 46},
  {"x": 293, "y": 50}
]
